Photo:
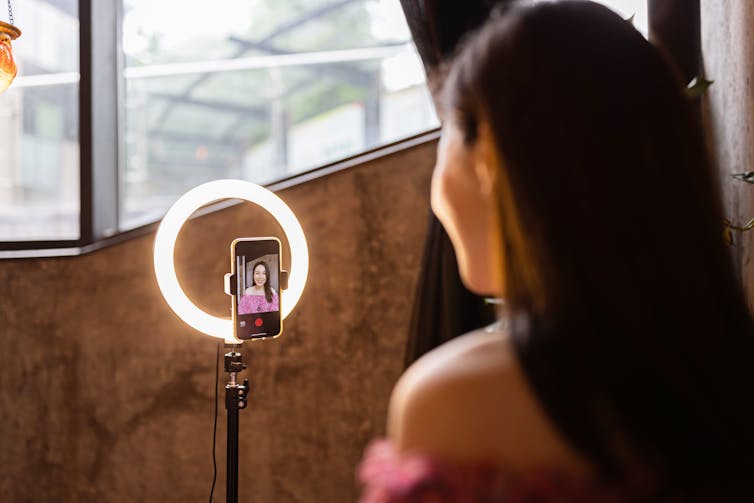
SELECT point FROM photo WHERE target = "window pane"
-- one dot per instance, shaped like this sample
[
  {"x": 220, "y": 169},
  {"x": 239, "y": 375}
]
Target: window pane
[
  {"x": 39, "y": 126},
  {"x": 260, "y": 90}
]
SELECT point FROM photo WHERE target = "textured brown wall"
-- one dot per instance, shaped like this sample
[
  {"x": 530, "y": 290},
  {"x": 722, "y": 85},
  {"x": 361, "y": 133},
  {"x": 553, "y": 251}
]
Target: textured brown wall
[
  {"x": 728, "y": 47},
  {"x": 105, "y": 395}
]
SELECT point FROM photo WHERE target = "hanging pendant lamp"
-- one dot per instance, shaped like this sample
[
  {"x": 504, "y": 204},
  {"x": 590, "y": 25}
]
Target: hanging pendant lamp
[{"x": 8, "y": 32}]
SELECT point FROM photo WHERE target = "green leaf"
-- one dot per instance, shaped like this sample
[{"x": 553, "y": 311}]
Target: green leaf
[
  {"x": 747, "y": 176},
  {"x": 698, "y": 86}
]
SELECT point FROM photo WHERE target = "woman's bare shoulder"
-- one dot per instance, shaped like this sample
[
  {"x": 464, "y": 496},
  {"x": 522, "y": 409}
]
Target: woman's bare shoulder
[
  {"x": 458, "y": 358},
  {"x": 469, "y": 400}
]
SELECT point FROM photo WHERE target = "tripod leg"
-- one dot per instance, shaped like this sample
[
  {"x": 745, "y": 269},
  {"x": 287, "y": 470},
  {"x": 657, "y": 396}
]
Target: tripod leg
[{"x": 231, "y": 403}]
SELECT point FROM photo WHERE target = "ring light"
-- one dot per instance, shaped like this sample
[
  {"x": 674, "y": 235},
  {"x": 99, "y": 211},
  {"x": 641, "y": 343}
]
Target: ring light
[{"x": 164, "y": 249}]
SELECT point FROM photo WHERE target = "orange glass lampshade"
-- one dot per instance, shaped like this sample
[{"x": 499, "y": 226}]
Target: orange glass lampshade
[{"x": 8, "y": 69}]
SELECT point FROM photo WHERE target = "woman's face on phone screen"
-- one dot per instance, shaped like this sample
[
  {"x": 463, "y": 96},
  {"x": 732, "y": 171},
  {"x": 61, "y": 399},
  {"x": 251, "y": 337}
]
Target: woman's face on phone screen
[{"x": 260, "y": 278}]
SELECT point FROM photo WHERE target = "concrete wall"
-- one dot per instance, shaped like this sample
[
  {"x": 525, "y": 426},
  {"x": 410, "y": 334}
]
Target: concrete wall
[
  {"x": 106, "y": 396},
  {"x": 728, "y": 48}
]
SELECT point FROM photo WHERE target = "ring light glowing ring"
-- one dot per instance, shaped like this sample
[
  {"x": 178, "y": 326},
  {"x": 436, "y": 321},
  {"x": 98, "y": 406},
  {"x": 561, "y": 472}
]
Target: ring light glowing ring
[{"x": 164, "y": 249}]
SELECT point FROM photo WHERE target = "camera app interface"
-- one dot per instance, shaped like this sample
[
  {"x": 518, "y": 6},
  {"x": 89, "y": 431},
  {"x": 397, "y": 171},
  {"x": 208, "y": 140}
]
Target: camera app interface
[{"x": 258, "y": 300}]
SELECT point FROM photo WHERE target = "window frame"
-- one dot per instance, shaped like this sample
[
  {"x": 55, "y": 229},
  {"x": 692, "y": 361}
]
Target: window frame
[{"x": 99, "y": 138}]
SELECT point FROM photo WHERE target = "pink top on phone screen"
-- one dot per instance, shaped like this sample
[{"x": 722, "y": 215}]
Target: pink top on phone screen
[{"x": 251, "y": 304}]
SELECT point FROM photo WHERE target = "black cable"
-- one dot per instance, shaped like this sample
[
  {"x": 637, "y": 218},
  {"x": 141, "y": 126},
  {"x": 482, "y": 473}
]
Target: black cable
[{"x": 214, "y": 426}]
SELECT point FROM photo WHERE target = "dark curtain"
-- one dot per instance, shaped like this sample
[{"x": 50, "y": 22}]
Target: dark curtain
[
  {"x": 443, "y": 307},
  {"x": 437, "y": 26},
  {"x": 676, "y": 26}
]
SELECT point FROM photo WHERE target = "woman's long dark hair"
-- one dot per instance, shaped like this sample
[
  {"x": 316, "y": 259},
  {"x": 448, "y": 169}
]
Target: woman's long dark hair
[
  {"x": 627, "y": 315},
  {"x": 267, "y": 288}
]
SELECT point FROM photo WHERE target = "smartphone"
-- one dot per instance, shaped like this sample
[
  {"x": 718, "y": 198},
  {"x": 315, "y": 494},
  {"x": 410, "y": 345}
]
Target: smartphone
[{"x": 256, "y": 264}]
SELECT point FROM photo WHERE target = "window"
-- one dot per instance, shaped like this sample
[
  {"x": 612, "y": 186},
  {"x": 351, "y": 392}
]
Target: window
[
  {"x": 96, "y": 147},
  {"x": 263, "y": 90},
  {"x": 260, "y": 90},
  {"x": 39, "y": 126}
]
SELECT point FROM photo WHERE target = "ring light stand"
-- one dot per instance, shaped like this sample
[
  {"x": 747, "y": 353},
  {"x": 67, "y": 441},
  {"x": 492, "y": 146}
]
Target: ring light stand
[{"x": 236, "y": 395}]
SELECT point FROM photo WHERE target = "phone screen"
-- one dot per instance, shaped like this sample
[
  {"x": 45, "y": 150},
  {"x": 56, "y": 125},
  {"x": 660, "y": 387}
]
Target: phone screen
[{"x": 257, "y": 301}]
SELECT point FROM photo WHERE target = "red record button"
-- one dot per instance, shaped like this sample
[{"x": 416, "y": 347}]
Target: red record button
[{"x": 258, "y": 322}]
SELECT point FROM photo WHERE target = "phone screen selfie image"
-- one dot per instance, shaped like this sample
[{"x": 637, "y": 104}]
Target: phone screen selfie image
[{"x": 257, "y": 301}]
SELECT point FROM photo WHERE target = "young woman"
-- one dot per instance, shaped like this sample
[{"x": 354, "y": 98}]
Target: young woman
[
  {"x": 260, "y": 297},
  {"x": 573, "y": 182}
]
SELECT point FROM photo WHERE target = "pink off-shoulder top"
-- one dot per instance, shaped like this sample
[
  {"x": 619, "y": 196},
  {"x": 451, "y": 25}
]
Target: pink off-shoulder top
[
  {"x": 252, "y": 303},
  {"x": 391, "y": 477}
]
